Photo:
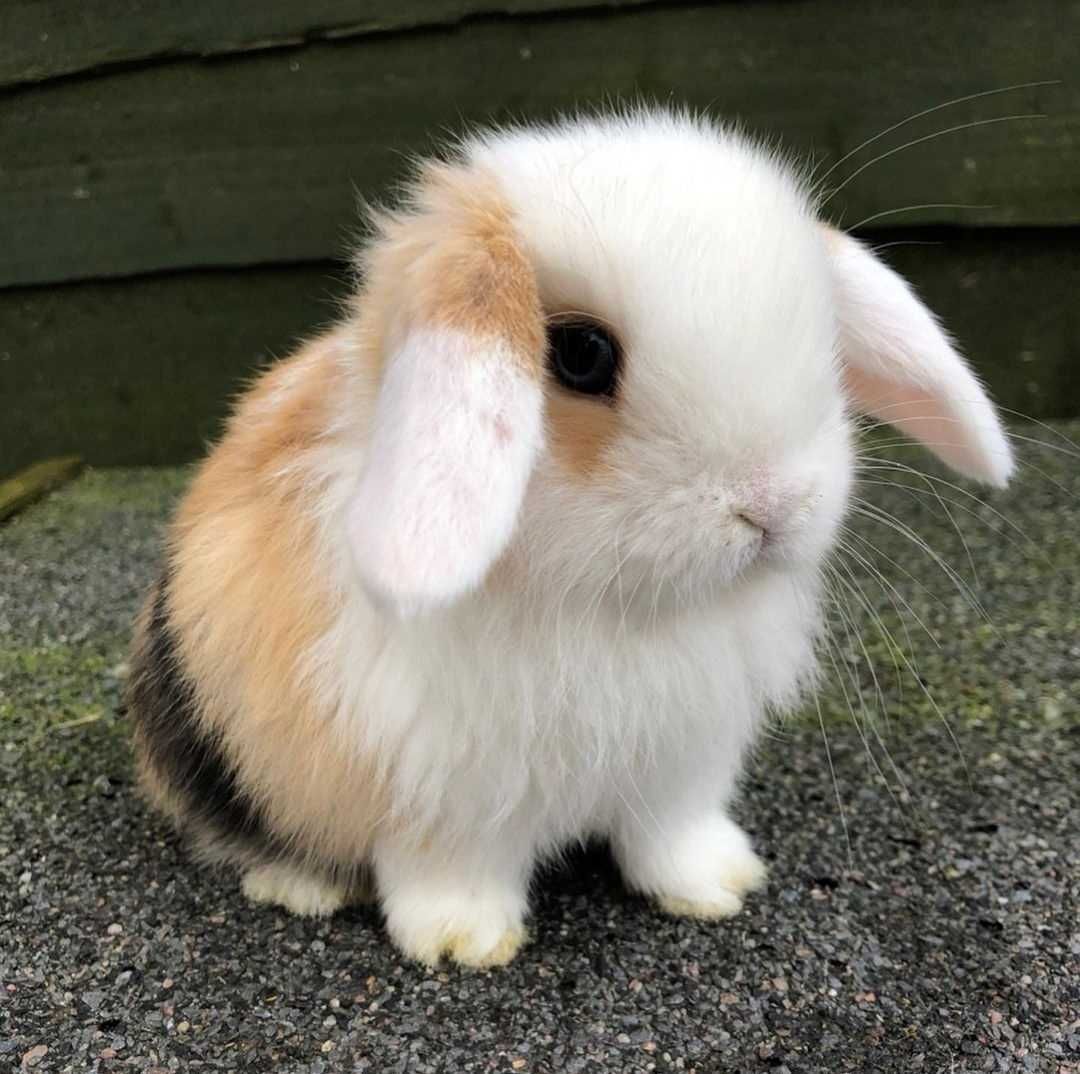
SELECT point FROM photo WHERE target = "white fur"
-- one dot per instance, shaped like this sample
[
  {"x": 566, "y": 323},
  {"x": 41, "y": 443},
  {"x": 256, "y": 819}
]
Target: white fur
[
  {"x": 283, "y": 885},
  {"x": 456, "y": 430},
  {"x": 470, "y": 907},
  {"x": 611, "y": 679},
  {"x": 703, "y": 872}
]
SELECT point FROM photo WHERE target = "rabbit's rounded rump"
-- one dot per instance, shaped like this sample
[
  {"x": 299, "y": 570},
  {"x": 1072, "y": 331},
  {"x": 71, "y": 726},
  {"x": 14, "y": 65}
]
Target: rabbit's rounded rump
[{"x": 523, "y": 549}]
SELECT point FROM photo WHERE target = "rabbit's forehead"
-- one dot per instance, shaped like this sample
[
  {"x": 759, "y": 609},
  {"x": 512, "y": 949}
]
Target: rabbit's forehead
[
  {"x": 700, "y": 250},
  {"x": 611, "y": 206}
]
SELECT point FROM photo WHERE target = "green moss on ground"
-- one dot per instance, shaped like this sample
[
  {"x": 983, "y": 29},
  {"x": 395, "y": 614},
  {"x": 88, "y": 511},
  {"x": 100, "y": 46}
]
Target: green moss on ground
[{"x": 74, "y": 566}]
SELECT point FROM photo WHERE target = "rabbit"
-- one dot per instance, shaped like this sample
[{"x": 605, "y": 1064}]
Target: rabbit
[{"x": 526, "y": 548}]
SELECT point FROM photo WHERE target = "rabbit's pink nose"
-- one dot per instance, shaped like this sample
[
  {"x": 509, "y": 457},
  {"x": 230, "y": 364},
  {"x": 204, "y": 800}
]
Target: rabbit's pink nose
[
  {"x": 757, "y": 502},
  {"x": 754, "y": 516},
  {"x": 770, "y": 505}
]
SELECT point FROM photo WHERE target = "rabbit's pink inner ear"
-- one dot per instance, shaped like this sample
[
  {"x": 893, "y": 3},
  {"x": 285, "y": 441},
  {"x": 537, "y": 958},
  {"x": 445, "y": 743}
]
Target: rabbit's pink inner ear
[
  {"x": 457, "y": 429},
  {"x": 919, "y": 413},
  {"x": 900, "y": 367}
]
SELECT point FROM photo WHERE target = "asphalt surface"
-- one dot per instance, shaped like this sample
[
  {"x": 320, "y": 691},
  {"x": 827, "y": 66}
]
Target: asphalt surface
[{"x": 922, "y": 913}]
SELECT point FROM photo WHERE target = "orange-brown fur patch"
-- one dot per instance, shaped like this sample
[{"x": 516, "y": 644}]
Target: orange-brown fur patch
[
  {"x": 453, "y": 258},
  {"x": 580, "y": 430},
  {"x": 248, "y": 602}
]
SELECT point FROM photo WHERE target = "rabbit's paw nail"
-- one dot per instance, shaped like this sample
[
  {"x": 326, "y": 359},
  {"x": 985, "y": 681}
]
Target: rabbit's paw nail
[{"x": 298, "y": 892}]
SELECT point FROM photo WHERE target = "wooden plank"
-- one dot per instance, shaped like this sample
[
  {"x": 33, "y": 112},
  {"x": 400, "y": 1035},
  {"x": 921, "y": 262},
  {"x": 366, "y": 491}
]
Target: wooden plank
[
  {"x": 256, "y": 160},
  {"x": 32, "y": 483},
  {"x": 139, "y": 371},
  {"x": 43, "y": 39}
]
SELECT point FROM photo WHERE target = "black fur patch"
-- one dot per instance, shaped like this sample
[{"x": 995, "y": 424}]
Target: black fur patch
[{"x": 163, "y": 703}]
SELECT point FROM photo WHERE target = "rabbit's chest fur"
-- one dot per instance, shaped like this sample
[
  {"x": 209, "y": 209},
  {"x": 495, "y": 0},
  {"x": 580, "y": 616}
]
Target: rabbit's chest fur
[{"x": 514, "y": 716}]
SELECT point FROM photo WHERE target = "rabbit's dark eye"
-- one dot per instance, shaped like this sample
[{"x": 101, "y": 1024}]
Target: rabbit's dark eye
[{"x": 583, "y": 357}]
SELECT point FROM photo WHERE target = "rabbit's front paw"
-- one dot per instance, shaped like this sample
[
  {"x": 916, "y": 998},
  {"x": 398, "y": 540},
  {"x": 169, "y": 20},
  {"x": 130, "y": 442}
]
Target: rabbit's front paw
[
  {"x": 475, "y": 929},
  {"x": 702, "y": 871},
  {"x": 465, "y": 907}
]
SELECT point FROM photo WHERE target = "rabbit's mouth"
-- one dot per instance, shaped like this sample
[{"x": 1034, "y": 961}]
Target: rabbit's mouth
[{"x": 687, "y": 582}]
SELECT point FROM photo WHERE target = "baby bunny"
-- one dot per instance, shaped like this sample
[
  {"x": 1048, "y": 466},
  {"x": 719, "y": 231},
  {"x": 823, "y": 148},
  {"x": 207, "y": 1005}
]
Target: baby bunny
[{"x": 527, "y": 546}]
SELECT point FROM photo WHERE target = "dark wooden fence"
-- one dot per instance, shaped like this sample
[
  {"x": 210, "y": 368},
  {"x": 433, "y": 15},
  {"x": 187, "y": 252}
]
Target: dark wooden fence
[{"x": 178, "y": 179}]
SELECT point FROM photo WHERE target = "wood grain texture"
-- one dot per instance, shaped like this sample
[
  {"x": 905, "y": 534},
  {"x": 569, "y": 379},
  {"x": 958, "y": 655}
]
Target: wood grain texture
[
  {"x": 256, "y": 159},
  {"x": 43, "y": 39},
  {"x": 141, "y": 371}
]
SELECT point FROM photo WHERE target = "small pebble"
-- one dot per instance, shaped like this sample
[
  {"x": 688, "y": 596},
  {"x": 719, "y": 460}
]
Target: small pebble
[{"x": 35, "y": 1055}]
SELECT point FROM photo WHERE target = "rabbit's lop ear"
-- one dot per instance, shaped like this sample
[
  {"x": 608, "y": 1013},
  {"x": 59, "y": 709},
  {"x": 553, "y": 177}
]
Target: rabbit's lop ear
[
  {"x": 900, "y": 366},
  {"x": 458, "y": 419}
]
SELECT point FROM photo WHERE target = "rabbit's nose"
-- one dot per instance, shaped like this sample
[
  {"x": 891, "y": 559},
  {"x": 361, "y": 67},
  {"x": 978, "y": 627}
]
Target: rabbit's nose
[
  {"x": 754, "y": 516},
  {"x": 758, "y": 501},
  {"x": 772, "y": 505}
]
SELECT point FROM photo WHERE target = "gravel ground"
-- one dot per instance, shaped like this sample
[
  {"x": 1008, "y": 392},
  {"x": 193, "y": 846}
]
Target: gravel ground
[{"x": 922, "y": 912}]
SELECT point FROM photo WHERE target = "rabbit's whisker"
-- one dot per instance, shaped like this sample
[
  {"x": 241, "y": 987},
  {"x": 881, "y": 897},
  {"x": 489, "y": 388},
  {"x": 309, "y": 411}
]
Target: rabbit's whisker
[
  {"x": 925, "y": 138},
  {"x": 930, "y": 111},
  {"x": 911, "y": 209},
  {"x": 867, "y": 719}
]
